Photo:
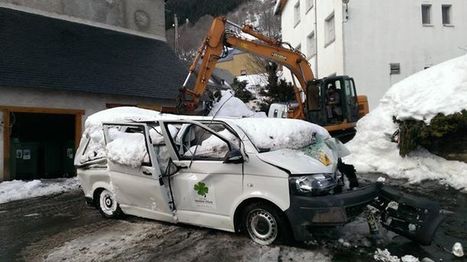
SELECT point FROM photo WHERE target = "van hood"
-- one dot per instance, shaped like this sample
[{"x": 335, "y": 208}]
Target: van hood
[{"x": 297, "y": 162}]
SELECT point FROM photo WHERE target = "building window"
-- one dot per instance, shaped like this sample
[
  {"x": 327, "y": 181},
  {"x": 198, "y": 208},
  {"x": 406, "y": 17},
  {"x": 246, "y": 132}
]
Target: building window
[
  {"x": 330, "y": 30},
  {"x": 395, "y": 68},
  {"x": 308, "y": 5},
  {"x": 296, "y": 13},
  {"x": 311, "y": 44},
  {"x": 299, "y": 48},
  {"x": 426, "y": 14},
  {"x": 446, "y": 13}
]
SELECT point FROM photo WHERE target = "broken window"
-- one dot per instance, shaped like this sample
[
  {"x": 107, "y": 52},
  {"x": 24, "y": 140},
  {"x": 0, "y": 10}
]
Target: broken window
[
  {"x": 160, "y": 147},
  {"x": 126, "y": 145},
  {"x": 194, "y": 142}
]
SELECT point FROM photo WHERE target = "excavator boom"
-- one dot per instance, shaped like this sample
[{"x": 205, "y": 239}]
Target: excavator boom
[{"x": 213, "y": 47}]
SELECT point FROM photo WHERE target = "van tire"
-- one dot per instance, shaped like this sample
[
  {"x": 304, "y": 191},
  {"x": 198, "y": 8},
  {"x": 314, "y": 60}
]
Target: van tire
[
  {"x": 265, "y": 224},
  {"x": 107, "y": 204}
]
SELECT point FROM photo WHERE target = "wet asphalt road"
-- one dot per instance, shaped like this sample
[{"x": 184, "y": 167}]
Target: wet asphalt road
[{"x": 30, "y": 229}]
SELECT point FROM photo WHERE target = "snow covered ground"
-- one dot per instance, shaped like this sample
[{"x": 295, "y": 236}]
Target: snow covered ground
[
  {"x": 231, "y": 106},
  {"x": 148, "y": 241},
  {"x": 439, "y": 89},
  {"x": 17, "y": 189}
]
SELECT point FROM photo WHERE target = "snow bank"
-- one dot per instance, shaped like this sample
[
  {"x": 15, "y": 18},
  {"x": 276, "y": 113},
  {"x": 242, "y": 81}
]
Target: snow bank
[
  {"x": 17, "y": 189},
  {"x": 385, "y": 256},
  {"x": 93, "y": 128},
  {"x": 275, "y": 133},
  {"x": 442, "y": 88},
  {"x": 439, "y": 89},
  {"x": 231, "y": 106}
]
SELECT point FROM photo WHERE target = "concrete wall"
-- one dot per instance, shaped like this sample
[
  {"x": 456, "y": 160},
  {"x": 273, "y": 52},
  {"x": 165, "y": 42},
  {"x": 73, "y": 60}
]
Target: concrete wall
[
  {"x": 146, "y": 16},
  {"x": 91, "y": 103},
  {"x": 378, "y": 33}
]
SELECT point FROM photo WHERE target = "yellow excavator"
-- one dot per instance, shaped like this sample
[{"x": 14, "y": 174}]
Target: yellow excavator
[{"x": 331, "y": 102}]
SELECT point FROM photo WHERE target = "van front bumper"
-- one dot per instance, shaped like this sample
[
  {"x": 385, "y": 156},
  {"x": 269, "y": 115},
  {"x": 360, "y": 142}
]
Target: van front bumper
[{"x": 306, "y": 212}]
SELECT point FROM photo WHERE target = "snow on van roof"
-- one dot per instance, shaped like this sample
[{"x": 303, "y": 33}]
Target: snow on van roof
[
  {"x": 440, "y": 89},
  {"x": 269, "y": 133},
  {"x": 275, "y": 133}
]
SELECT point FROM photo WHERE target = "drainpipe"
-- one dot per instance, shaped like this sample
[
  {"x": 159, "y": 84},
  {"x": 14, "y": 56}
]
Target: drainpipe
[
  {"x": 316, "y": 38},
  {"x": 345, "y": 19}
]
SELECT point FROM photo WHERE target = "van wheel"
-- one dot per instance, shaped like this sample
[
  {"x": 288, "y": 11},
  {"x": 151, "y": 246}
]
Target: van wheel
[
  {"x": 265, "y": 224},
  {"x": 107, "y": 205}
]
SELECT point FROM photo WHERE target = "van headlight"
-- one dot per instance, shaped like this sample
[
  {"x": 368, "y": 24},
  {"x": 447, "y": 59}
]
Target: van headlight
[{"x": 316, "y": 184}]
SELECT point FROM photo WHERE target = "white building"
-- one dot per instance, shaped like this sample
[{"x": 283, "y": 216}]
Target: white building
[{"x": 377, "y": 42}]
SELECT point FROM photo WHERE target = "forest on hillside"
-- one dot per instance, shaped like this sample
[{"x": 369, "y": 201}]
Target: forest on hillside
[{"x": 193, "y": 10}]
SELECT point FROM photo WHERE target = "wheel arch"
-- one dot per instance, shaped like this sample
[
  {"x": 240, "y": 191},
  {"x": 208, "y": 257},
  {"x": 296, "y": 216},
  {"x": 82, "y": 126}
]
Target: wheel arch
[
  {"x": 97, "y": 188},
  {"x": 238, "y": 214}
]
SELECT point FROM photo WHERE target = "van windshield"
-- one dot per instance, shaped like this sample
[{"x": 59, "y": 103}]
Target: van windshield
[{"x": 269, "y": 134}]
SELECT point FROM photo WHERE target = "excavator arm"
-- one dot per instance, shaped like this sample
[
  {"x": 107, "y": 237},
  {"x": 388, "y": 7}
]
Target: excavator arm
[{"x": 213, "y": 47}]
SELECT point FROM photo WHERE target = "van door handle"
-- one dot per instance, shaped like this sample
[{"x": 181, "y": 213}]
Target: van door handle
[{"x": 147, "y": 173}]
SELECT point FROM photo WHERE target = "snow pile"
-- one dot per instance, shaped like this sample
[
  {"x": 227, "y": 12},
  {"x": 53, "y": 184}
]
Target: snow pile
[
  {"x": 127, "y": 148},
  {"x": 17, "y": 189},
  {"x": 385, "y": 256},
  {"x": 213, "y": 146},
  {"x": 442, "y": 88},
  {"x": 274, "y": 133},
  {"x": 93, "y": 126},
  {"x": 254, "y": 81},
  {"x": 439, "y": 89},
  {"x": 231, "y": 106}
]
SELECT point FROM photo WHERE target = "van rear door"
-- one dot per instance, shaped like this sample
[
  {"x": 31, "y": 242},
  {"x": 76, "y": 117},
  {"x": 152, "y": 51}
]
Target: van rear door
[{"x": 134, "y": 172}]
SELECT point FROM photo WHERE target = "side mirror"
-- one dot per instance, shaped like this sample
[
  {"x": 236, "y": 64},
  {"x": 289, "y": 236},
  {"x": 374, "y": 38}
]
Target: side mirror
[{"x": 234, "y": 156}]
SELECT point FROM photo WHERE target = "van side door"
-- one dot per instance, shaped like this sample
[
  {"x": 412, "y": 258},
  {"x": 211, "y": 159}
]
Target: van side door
[
  {"x": 204, "y": 188},
  {"x": 134, "y": 172}
]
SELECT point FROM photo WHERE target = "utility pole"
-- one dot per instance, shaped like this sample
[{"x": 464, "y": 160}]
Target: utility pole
[{"x": 176, "y": 33}]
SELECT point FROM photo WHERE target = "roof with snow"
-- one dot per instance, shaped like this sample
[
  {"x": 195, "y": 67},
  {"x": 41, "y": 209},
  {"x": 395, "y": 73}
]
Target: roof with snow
[
  {"x": 43, "y": 52},
  {"x": 230, "y": 55}
]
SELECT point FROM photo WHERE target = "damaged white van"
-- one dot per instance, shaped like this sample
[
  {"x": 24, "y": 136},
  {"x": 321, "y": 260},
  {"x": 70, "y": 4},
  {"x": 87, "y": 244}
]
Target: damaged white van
[{"x": 275, "y": 179}]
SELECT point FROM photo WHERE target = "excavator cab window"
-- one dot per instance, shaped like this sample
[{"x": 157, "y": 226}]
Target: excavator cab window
[
  {"x": 351, "y": 99},
  {"x": 313, "y": 94},
  {"x": 333, "y": 101}
]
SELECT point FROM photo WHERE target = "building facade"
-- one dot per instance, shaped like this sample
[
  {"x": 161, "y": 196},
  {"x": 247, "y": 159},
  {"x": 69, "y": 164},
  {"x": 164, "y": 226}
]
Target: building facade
[
  {"x": 143, "y": 16},
  {"x": 55, "y": 70},
  {"x": 378, "y": 43}
]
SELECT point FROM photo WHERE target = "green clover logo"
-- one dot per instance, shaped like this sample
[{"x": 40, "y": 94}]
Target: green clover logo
[{"x": 201, "y": 189}]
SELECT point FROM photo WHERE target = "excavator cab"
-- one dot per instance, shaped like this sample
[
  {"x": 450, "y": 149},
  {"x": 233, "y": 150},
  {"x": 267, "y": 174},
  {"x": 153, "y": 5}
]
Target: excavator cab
[{"x": 332, "y": 102}]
